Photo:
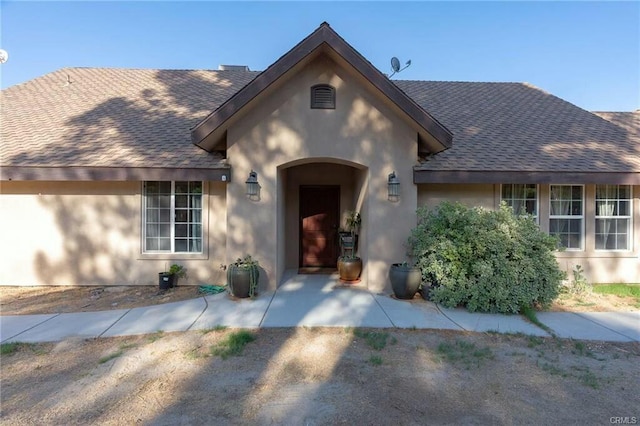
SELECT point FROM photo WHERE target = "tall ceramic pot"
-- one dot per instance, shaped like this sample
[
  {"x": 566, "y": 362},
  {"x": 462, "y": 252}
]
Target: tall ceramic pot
[
  {"x": 243, "y": 280},
  {"x": 405, "y": 280}
]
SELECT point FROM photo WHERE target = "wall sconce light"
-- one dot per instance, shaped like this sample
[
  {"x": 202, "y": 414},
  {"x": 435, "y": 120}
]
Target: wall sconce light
[
  {"x": 253, "y": 186},
  {"x": 394, "y": 187}
]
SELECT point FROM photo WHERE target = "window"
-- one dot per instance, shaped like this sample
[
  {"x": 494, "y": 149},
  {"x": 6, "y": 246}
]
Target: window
[
  {"x": 172, "y": 217},
  {"x": 323, "y": 96},
  {"x": 566, "y": 217},
  {"x": 613, "y": 217},
  {"x": 523, "y": 199}
]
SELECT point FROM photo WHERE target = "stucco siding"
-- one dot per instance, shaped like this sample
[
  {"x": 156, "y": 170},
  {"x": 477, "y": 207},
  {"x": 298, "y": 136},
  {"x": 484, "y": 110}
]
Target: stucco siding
[
  {"x": 282, "y": 131},
  {"x": 89, "y": 233},
  {"x": 481, "y": 195}
]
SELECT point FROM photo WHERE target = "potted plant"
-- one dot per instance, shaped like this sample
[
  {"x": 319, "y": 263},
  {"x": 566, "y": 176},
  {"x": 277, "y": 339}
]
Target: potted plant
[
  {"x": 349, "y": 264},
  {"x": 178, "y": 272},
  {"x": 242, "y": 277},
  {"x": 169, "y": 279},
  {"x": 406, "y": 280}
]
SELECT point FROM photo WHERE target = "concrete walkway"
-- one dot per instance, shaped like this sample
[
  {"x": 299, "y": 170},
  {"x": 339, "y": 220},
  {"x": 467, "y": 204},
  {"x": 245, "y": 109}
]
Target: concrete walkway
[{"x": 311, "y": 301}]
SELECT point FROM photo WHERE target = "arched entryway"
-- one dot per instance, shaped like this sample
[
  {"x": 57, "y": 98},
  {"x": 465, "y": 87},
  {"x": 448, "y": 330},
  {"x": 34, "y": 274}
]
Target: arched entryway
[{"x": 315, "y": 196}]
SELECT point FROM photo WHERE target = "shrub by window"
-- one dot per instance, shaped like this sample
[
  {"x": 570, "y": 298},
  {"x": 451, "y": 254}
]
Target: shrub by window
[
  {"x": 490, "y": 261},
  {"x": 522, "y": 198}
]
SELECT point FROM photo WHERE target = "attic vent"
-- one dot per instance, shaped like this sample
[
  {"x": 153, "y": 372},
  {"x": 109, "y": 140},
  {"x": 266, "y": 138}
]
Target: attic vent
[{"x": 323, "y": 96}]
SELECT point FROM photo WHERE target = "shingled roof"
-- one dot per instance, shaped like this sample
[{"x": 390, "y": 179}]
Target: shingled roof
[
  {"x": 515, "y": 132},
  {"x": 629, "y": 121},
  {"x": 97, "y": 123},
  {"x": 92, "y": 123}
]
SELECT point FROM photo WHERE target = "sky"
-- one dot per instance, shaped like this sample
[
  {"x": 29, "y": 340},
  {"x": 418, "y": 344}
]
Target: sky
[{"x": 586, "y": 52}]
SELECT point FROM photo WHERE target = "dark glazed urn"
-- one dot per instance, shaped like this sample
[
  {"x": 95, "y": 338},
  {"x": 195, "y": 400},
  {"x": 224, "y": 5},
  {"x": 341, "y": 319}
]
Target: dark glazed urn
[
  {"x": 405, "y": 280},
  {"x": 240, "y": 281}
]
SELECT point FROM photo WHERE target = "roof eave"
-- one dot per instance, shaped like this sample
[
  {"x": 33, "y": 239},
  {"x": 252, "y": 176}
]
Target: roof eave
[
  {"x": 37, "y": 173},
  {"x": 522, "y": 177}
]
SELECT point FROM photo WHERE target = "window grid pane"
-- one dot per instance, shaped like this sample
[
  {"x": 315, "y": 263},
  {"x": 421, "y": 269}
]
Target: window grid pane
[
  {"x": 566, "y": 215},
  {"x": 188, "y": 217},
  {"x": 522, "y": 198},
  {"x": 613, "y": 217},
  {"x": 173, "y": 217}
]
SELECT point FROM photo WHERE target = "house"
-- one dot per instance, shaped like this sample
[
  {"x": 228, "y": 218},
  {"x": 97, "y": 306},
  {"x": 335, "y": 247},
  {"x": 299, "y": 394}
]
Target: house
[{"x": 110, "y": 175}]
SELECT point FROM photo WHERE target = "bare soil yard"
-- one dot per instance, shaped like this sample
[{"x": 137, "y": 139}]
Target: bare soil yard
[
  {"x": 308, "y": 376},
  {"x": 321, "y": 376},
  {"x": 50, "y": 299}
]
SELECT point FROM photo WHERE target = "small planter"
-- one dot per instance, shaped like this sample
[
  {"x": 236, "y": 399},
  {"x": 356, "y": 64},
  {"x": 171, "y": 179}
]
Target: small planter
[
  {"x": 425, "y": 290},
  {"x": 350, "y": 268},
  {"x": 166, "y": 280},
  {"x": 405, "y": 280},
  {"x": 169, "y": 278}
]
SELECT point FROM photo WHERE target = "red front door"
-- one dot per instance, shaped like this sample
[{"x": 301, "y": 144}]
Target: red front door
[{"x": 319, "y": 221}]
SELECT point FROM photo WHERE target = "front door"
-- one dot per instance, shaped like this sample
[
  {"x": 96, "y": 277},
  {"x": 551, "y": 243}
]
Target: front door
[{"x": 319, "y": 221}]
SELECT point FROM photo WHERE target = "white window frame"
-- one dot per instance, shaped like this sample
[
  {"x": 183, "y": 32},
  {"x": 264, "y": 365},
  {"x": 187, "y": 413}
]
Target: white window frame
[
  {"x": 570, "y": 216},
  {"x": 629, "y": 217},
  {"x": 172, "y": 223},
  {"x": 536, "y": 216}
]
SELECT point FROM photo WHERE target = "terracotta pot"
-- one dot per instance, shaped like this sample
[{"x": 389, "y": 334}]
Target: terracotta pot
[
  {"x": 349, "y": 268},
  {"x": 405, "y": 280}
]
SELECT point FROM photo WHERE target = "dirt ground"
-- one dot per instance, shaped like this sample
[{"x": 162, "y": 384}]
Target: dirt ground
[
  {"x": 307, "y": 375},
  {"x": 49, "y": 299},
  {"x": 312, "y": 376}
]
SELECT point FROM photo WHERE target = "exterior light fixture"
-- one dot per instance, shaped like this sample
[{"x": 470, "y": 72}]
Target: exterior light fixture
[
  {"x": 394, "y": 187},
  {"x": 253, "y": 187}
]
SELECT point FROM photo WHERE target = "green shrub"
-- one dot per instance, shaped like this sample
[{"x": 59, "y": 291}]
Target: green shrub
[
  {"x": 489, "y": 261},
  {"x": 579, "y": 284}
]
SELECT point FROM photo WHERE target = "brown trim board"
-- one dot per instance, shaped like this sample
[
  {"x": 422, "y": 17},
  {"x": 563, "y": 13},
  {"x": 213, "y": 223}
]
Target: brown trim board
[
  {"x": 112, "y": 174},
  {"x": 461, "y": 176}
]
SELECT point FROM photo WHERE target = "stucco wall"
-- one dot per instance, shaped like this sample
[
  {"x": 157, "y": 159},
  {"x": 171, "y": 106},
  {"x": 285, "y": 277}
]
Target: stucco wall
[
  {"x": 599, "y": 266},
  {"x": 281, "y": 130},
  {"x": 481, "y": 195},
  {"x": 89, "y": 233}
]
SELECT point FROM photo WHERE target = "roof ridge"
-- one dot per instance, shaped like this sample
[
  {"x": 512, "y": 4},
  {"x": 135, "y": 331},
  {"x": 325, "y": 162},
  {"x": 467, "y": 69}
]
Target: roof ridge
[{"x": 464, "y": 81}]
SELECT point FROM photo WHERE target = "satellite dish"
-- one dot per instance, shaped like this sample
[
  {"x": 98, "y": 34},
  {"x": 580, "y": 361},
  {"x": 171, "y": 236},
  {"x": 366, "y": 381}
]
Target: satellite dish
[
  {"x": 3, "y": 56},
  {"x": 395, "y": 64}
]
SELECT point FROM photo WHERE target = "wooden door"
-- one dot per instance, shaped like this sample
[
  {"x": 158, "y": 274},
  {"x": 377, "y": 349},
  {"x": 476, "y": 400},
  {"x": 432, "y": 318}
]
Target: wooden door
[{"x": 319, "y": 221}]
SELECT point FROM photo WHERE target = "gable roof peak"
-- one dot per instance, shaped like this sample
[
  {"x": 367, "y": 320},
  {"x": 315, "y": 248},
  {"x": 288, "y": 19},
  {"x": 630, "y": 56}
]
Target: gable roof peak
[{"x": 209, "y": 131}]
